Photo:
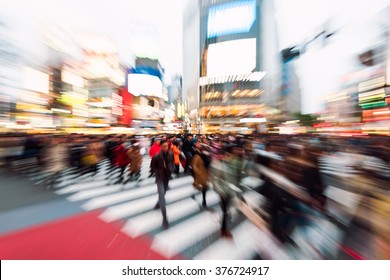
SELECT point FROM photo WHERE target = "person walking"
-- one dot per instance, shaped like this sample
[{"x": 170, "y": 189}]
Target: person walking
[
  {"x": 225, "y": 175},
  {"x": 135, "y": 160},
  {"x": 55, "y": 157},
  {"x": 121, "y": 159},
  {"x": 176, "y": 156},
  {"x": 201, "y": 163},
  {"x": 162, "y": 166},
  {"x": 188, "y": 146},
  {"x": 154, "y": 150}
]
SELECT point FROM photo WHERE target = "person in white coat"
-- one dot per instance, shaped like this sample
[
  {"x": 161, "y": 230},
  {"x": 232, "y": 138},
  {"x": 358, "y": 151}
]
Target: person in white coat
[{"x": 56, "y": 159}]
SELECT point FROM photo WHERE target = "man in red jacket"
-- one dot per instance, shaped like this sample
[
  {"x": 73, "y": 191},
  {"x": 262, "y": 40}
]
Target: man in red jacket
[{"x": 154, "y": 150}]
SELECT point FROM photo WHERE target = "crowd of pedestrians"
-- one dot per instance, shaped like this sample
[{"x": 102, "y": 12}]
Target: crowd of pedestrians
[{"x": 221, "y": 162}]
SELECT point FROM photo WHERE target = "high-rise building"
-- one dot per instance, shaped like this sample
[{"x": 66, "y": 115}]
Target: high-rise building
[
  {"x": 145, "y": 83},
  {"x": 175, "y": 89},
  {"x": 231, "y": 66}
]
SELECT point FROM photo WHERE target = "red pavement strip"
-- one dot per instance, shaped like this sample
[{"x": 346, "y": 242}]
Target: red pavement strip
[{"x": 80, "y": 237}]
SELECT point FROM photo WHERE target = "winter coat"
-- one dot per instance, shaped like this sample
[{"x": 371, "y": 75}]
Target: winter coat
[
  {"x": 154, "y": 150},
  {"x": 176, "y": 154},
  {"x": 163, "y": 169},
  {"x": 201, "y": 173},
  {"x": 135, "y": 159},
  {"x": 225, "y": 175},
  {"x": 188, "y": 146},
  {"x": 120, "y": 156}
]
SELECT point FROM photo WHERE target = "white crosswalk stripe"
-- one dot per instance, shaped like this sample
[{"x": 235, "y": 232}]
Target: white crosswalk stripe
[
  {"x": 171, "y": 242},
  {"x": 135, "y": 207},
  {"x": 241, "y": 247},
  {"x": 82, "y": 195},
  {"x": 150, "y": 221},
  {"x": 143, "y": 191},
  {"x": 82, "y": 186}
]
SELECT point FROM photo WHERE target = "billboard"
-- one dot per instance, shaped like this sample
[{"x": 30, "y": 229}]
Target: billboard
[
  {"x": 35, "y": 80},
  {"x": 127, "y": 107},
  {"x": 145, "y": 85},
  {"x": 231, "y": 58},
  {"x": 231, "y": 18},
  {"x": 72, "y": 79}
]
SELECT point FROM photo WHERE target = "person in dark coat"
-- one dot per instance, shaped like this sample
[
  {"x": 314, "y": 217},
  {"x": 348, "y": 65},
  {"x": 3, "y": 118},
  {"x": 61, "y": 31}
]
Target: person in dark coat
[
  {"x": 163, "y": 166},
  {"x": 188, "y": 149},
  {"x": 154, "y": 150},
  {"x": 135, "y": 161}
]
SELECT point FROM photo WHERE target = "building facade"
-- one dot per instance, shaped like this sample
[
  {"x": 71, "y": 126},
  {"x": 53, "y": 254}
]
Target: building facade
[{"x": 231, "y": 65}]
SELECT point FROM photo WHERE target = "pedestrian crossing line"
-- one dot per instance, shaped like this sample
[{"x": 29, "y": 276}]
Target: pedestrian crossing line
[
  {"x": 241, "y": 247},
  {"x": 81, "y": 186},
  {"x": 318, "y": 240},
  {"x": 138, "y": 206},
  {"x": 268, "y": 246},
  {"x": 80, "y": 178},
  {"x": 342, "y": 204},
  {"x": 346, "y": 198},
  {"x": 174, "y": 240},
  {"x": 150, "y": 221},
  {"x": 135, "y": 202},
  {"x": 88, "y": 194},
  {"x": 127, "y": 195}
]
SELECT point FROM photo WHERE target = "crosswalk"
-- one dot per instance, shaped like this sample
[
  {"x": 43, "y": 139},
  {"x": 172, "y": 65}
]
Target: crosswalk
[{"x": 194, "y": 232}]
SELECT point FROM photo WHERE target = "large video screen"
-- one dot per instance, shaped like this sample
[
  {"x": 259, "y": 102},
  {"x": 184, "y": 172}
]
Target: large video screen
[
  {"x": 231, "y": 58},
  {"x": 35, "y": 80},
  {"x": 231, "y": 18},
  {"x": 145, "y": 85}
]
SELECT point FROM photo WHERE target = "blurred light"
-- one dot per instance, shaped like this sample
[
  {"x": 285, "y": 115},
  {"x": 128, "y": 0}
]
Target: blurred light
[
  {"x": 292, "y": 122},
  {"x": 381, "y": 113},
  {"x": 253, "y": 120},
  {"x": 370, "y": 93},
  {"x": 253, "y": 77},
  {"x": 373, "y": 104},
  {"x": 60, "y": 110},
  {"x": 35, "y": 80},
  {"x": 372, "y": 84},
  {"x": 97, "y": 124},
  {"x": 72, "y": 79},
  {"x": 324, "y": 118}
]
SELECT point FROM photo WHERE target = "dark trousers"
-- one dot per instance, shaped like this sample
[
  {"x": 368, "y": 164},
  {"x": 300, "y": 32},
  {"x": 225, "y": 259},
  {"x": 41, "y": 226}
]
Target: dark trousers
[
  {"x": 188, "y": 161},
  {"x": 225, "y": 202},
  {"x": 151, "y": 171},
  {"x": 121, "y": 177},
  {"x": 162, "y": 186},
  {"x": 94, "y": 168},
  {"x": 177, "y": 168}
]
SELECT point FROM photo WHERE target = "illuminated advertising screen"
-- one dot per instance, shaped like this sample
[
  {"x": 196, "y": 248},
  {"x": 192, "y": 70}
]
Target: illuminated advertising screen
[
  {"x": 35, "y": 80},
  {"x": 231, "y": 18},
  {"x": 72, "y": 79},
  {"x": 145, "y": 85},
  {"x": 231, "y": 57}
]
